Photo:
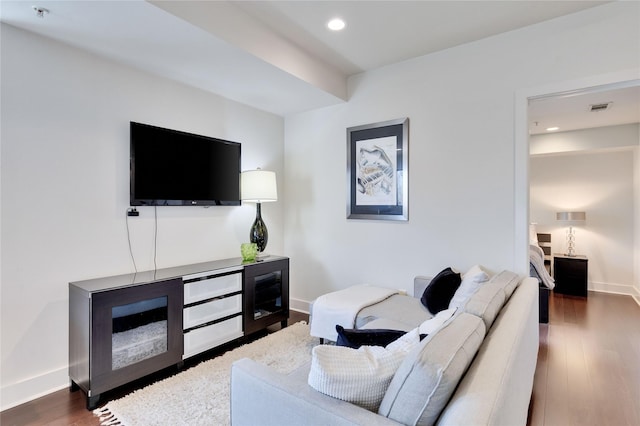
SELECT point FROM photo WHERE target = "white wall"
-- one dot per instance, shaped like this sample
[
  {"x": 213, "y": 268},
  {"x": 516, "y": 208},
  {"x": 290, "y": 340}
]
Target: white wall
[
  {"x": 600, "y": 183},
  {"x": 460, "y": 103},
  {"x": 65, "y": 153},
  {"x": 636, "y": 224}
]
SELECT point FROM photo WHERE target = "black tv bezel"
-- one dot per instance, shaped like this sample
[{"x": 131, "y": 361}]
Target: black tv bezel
[{"x": 136, "y": 202}]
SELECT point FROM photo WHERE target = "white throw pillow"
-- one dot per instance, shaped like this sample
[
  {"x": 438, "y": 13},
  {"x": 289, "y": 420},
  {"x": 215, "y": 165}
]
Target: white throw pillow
[
  {"x": 471, "y": 282},
  {"x": 432, "y": 325},
  {"x": 359, "y": 376}
]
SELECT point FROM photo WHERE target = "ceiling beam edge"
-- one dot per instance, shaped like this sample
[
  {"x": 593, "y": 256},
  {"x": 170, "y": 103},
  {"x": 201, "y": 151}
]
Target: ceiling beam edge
[{"x": 229, "y": 23}]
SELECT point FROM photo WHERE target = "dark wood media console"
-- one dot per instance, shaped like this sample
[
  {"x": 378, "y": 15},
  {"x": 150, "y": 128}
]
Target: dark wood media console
[{"x": 125, "y": 327}]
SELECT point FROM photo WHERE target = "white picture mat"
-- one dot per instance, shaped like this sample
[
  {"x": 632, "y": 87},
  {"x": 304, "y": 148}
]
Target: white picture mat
[{"x": 384, "y": 190}]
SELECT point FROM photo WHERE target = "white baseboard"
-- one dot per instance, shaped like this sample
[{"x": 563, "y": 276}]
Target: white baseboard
[
  {"x": 626, "y": 290},
  {"x": 299, "y": 305},
  {"x": 29, "y": 389},
  {"x": 614, "y": 288}
]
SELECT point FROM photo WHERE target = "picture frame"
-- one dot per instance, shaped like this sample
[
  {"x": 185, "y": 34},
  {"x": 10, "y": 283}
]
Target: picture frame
[{"x": 378, "y": 171}]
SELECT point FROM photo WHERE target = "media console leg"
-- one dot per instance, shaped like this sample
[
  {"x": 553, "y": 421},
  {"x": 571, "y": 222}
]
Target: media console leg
[
  {"x": 284, "y": 323},
  {"x": 92, "y": 402},
  {"x": 73, "y": 386}
]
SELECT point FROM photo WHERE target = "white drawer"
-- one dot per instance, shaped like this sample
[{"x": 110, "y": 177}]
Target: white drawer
[
  {"x": 202, "y": 339},
  {"x": 210, "y": 311},
  {"x": 213, "y": 287}
]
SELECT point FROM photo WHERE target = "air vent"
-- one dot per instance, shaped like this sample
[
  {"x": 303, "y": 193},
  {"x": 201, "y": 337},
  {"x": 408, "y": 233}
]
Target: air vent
[{"x": 600, "y": 107}]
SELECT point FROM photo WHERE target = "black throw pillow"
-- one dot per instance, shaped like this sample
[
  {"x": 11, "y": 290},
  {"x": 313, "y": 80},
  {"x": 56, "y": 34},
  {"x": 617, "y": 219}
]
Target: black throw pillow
[
  {"x": 440, "y": 291},
  {"x": 352, "y": 338}
]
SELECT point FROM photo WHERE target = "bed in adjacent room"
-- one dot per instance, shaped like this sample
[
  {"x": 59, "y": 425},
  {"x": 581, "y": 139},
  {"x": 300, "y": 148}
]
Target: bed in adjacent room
[
  {"x": 540, "y": 267},
  {"x": 540, "y": 257}
]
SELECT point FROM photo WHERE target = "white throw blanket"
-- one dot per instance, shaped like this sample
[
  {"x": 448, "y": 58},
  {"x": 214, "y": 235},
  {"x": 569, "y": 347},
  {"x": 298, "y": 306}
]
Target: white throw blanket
[
  {"x": 536, "y": 257},
  {"x": 341, "y": 307}
]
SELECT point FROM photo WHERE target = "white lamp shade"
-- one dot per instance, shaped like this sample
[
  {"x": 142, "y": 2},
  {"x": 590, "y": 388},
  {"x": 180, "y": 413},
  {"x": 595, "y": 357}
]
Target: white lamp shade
[
  {"x": 258, "y": 186},
  {"x": 571, "y": 216}
]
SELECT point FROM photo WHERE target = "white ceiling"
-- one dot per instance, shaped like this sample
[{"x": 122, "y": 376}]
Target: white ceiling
[
  {"x": 278, "y": 55},
  {"x": 573, "y": 111},
  {"x": 380, "y": 33}
]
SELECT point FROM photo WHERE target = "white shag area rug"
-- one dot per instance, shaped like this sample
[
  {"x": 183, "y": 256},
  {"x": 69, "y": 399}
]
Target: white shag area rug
[{"x": 200, "y": 395}]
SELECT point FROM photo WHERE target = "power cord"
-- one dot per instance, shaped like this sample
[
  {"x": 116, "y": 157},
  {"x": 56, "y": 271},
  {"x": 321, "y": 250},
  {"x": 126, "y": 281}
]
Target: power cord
[
  {"x": 132, "y": 212},
  {"x": 155, "y": 239},
  {"x": 129, "y": 213}
]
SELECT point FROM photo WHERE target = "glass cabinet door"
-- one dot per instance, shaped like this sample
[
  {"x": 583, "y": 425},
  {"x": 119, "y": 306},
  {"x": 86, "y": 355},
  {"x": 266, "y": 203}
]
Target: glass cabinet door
[
  {"x": 136, "y": 330},
  {"x": 139, "y": 331},
  {"x": 266, "y": 293}
]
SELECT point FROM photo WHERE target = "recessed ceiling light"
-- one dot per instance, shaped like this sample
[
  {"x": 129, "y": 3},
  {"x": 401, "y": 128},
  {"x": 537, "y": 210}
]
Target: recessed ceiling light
[
  {"x": 552, "y": 129},
  {"x": 336, "y": 24}
]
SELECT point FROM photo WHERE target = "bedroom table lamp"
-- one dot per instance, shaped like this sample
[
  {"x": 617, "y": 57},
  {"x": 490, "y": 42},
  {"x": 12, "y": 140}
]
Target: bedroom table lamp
[
  {"x": 258, "y": 186},
  {"x": 572, "y": 218}
]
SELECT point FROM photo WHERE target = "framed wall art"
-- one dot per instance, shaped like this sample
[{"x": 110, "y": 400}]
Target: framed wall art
[{"x": 378, "y": 170}]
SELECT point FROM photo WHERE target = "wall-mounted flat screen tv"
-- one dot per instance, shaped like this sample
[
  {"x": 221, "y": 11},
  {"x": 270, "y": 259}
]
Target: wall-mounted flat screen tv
[{"x": 173, "y": 168}]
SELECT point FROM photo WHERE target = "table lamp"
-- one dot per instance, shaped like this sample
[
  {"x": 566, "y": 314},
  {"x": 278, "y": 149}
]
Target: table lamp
[
  {"x": 258, "y": 186},
  {"x": 571, "y": 218}
]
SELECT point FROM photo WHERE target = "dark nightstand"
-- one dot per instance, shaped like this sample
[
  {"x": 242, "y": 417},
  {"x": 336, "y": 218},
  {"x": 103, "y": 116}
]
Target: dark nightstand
[{"x": 570, "y": 274}]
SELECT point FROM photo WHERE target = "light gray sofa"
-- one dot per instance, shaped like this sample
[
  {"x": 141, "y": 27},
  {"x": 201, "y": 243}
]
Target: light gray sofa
[{"x": 495, "y": 389}]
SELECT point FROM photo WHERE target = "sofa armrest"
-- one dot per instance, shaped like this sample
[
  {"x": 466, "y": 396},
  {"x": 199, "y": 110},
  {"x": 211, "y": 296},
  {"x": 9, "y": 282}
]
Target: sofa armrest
[
  {"x": 260, "y": 395},
  {"x": 496, "y": 390}
]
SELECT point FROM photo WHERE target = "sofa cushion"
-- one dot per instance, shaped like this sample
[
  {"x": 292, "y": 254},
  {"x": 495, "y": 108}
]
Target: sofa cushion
[
  {"x": 402, "y": 308},
  {"x": 352, "y": 338},
  {"x": 388, "y": 324},
  {"x": 471, "y": 282},
  {"x": 359, "y": 376},
  {"x": 434, "y": 324},
  {"x": 486, "y": 302},
  {"x": 426, "y": 327},
  {"x": 440, "y": 291},
  {"x": 427, "y": 377},
  {"x": 508, "y": 281},
  {"x": 489, "y": 299}
]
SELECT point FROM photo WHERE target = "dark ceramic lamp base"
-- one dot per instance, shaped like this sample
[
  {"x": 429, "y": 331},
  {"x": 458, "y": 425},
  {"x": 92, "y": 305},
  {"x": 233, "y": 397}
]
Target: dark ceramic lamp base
[{"x": 259, "y": 233}]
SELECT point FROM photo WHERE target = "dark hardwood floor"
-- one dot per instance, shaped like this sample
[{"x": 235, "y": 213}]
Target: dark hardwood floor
[
  {"x": 69, "y": 408},
  {"x": 588, "y": 370}
]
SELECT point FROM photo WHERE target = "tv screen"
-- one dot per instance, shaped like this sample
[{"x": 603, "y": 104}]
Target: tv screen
[{"x": 173, "y": 168}]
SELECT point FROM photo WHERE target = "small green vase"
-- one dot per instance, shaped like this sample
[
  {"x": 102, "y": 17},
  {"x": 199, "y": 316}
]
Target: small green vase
[{"x": 249, "y": 251}]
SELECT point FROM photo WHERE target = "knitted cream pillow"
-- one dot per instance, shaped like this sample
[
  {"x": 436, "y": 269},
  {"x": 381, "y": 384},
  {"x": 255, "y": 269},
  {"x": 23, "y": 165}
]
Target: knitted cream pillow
[{"x": 360, "y": 376}]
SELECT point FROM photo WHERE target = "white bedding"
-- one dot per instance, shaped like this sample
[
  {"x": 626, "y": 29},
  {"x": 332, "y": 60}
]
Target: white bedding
[
  {"x": 536, "y": 258},
  {"x": 341, "y": 307}
]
